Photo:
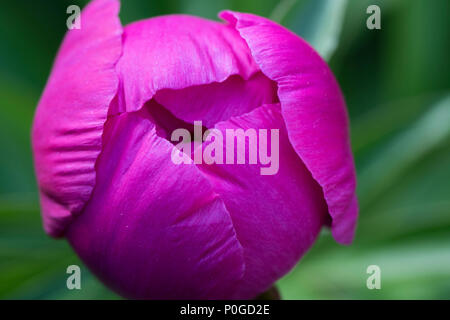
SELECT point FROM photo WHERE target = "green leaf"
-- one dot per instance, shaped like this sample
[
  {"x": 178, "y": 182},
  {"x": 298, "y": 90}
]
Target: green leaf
[
  {"x": 391, "y": 161},
  {"x": 318, "y": 21},
  {"x": 409, "y": 270}
]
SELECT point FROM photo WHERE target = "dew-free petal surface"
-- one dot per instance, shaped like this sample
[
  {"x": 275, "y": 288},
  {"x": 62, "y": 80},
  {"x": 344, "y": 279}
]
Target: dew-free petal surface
[
  {"x": 176, "y": 52},
  {"x": 216, "y": 102},
  {"x": 313, "y": 109},
  {"x": 154, "y": 229},
  {"x": 68, "y": 123},
  {"x": 277, "y": 217}
]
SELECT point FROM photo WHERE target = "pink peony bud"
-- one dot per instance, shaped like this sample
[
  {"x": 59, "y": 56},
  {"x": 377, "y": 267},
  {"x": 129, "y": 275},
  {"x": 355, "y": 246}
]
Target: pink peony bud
[{"x": 152, "y": 228}]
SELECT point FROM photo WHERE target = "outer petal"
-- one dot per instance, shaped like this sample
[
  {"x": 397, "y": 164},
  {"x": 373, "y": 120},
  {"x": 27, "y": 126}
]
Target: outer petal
[
  {"x": 276, "y": 217},
  {"x": 69, "y": 120},
  {"x": 313, "y": 109},
  {"x": 175, "y": 52},
  {"x": 153, "y": 229}
]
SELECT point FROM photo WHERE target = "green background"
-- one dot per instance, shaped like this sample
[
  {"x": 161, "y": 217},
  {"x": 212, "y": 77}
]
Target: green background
[{"x": 396, "y": 82}]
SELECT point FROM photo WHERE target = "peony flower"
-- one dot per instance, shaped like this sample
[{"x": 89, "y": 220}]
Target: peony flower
[{"x": 151, "y": 228}]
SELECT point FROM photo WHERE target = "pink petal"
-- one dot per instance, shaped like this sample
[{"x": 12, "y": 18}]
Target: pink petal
[
  {"x": 69, "y": 120},
  {"x": 153, "y": 229},
  {"x": 313, "y": 109},
  {"x": 276, "y": 217},
  {"x": 219, "y": 101},
  {"x": 176, "y": 52}
]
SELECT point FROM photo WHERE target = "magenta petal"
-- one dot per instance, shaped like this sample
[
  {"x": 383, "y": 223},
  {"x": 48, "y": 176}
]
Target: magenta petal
[
  {"x": 154, "y": 229},
  {"x": 176, "y": 52},
  {"x": 69, "y": 120},
  {"x": 313, "y": 109},
  {"x": 216, "y": 102},
  {"x": 277, "y": 217}
]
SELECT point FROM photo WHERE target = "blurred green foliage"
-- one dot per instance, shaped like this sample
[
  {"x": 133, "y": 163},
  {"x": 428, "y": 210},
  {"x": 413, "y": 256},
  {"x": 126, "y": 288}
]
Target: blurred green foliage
[{"x": 397, "y": 85}]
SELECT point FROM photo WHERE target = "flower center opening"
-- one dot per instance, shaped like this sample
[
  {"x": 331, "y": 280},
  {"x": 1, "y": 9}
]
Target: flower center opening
[{"x": 209, "y": 103}]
